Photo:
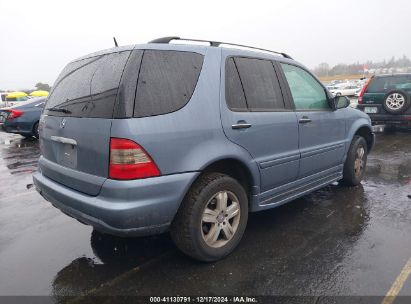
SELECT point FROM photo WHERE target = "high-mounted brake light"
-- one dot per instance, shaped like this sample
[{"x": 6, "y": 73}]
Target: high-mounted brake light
[
  {"x": 128, "y": 160},
  {"x": 14, "y": 114},
  {"x": 364, "y": 88}
]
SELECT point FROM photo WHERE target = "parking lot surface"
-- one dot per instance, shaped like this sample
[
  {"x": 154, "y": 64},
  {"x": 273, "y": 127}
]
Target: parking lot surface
[{"x": 337, "y": 241}]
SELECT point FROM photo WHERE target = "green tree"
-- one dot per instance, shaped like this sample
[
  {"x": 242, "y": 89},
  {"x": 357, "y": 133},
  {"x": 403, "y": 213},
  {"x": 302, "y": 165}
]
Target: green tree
[
  {"x": 322, "y": 69},
  {"x": 43, "y": 86}
]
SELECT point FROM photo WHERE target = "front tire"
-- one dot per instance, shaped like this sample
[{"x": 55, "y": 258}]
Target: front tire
[
  {"x": 354, "y": 167},
  {"x": 212, "y": 218}
]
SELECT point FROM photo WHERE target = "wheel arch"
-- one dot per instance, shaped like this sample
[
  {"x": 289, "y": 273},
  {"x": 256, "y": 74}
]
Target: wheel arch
[
  {"x": 247, "y": 175},
  {"x": 365, "y": 131},
  {"x": 234, "y": 168}
]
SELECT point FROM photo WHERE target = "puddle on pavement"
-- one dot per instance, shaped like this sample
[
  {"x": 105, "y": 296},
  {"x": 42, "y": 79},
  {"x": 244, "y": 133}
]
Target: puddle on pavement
[
  {"x": 390, "y": 160},
  {"x": 285, "y": 250},
  {"x": 113, "y": 256},
  {"x": 20, "y": 155}
]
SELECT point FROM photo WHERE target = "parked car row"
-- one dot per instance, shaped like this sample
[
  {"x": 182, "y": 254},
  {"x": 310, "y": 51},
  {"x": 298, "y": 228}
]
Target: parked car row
[
  {"x": 23, "y": 118},
  {"x": 346, "y": 88},
  {"x": 8, "y": 99}
]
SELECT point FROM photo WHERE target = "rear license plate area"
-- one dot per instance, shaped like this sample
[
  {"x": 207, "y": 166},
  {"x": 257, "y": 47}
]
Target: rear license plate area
[
  {"x": 67, "y": 155},
  {"x": 370, "y": 110}
]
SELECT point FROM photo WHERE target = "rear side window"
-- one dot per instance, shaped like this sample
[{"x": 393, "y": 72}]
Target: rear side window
[
  {"x": 398, "y": 82},
  {"x": 166, "y": 81},
  {"x": 389, "y": 83},
  {"x": 88, "y": 87},
  {"x": 261, "y": 87}
]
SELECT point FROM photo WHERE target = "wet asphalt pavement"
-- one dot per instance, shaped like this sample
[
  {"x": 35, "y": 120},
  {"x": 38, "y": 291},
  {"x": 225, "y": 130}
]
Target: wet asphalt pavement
[{"x": 335, "y": 241}]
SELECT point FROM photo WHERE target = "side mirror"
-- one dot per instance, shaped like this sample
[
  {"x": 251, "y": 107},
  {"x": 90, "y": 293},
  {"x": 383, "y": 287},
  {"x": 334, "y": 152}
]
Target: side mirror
[{"x": 340, "y": 102}]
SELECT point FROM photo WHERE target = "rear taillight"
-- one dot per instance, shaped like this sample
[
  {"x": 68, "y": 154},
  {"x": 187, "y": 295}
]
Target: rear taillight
[
  {"x": 14, "y": 114},
  {"x": 364, "y": 89},
  {"x": 128, "y": 160}
]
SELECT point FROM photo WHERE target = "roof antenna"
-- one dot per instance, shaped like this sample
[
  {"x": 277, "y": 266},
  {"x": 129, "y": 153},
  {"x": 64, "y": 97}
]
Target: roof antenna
[{"x": 115, "y": 42}]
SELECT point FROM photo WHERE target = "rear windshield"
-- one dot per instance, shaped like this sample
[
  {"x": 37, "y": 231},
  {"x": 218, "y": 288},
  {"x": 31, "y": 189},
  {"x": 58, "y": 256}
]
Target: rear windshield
[{"x": 88, "y": 87}]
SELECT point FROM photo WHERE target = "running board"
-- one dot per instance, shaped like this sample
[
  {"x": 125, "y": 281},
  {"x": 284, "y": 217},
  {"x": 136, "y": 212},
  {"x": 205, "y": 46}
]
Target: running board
[{"x": 294, "y": 193}]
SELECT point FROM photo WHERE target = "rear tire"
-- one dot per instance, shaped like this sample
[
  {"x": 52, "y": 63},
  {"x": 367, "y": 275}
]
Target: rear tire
[
  {"x": 36, "y": 130},
  {"x": 354, "y": 167},
  {"x": 212, "y": 218}
]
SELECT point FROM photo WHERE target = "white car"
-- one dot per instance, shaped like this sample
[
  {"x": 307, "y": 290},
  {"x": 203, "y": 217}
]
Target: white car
[
  {"x": 347, "y": 90},
  {"x": 358, "y": 92}
]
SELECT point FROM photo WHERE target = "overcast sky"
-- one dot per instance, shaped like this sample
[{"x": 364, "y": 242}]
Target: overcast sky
[{"x": 39, "y": 37}]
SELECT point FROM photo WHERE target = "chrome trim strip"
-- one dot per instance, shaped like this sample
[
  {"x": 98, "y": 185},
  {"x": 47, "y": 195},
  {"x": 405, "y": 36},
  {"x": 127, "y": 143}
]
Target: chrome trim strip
[{"x": 64, "y": 140}]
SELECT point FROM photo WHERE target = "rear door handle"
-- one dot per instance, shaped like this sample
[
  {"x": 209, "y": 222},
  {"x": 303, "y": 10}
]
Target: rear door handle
[
  {"x": 240, "y": 125},
  {"x": 304, "y": 120}
]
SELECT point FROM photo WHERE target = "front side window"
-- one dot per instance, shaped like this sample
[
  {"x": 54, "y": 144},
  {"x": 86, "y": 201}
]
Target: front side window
[{"x": 307, "y": 93}]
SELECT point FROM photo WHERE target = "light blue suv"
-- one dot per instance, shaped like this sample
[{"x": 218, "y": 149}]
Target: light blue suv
[{"x": 189, "y": 138}]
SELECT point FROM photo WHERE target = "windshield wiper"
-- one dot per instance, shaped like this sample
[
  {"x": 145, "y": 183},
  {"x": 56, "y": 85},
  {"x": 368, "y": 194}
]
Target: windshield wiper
[{"x": 65, "y": 111}]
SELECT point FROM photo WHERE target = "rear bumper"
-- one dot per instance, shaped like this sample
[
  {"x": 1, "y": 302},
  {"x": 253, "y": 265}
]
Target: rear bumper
[
  {"x": 18, "y": 127},
  {"x": 390, "y": 119},
  {"x": 124, "y": 208},
  {"x": 383, "y": 118}
]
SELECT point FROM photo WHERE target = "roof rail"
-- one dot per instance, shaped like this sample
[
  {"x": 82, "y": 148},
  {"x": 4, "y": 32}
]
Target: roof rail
[{"x": 215, "y": 44}]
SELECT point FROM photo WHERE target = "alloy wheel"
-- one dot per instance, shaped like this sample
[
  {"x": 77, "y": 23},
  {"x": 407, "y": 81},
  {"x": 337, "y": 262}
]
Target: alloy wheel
[
  {"x": 395, "y": 101},
  {"x": 359, "y": 162},
  {"x": 220, "y": 219}
]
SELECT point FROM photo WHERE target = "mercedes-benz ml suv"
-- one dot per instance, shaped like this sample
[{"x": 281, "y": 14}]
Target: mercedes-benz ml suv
[{"x": 190, "y": 138}]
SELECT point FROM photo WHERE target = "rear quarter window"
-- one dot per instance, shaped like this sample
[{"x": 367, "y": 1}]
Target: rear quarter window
[
  {"x": 166, "y": 81},
  {"x": 234, "y": 90}
]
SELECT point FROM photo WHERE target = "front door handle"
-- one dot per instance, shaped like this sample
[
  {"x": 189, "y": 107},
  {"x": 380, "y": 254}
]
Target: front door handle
[
  {"x": 240, "y": 125},
  {"x": 304, "y": 120}
]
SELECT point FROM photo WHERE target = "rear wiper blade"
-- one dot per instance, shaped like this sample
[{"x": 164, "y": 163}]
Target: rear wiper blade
[{"x": 65, "y": 111}]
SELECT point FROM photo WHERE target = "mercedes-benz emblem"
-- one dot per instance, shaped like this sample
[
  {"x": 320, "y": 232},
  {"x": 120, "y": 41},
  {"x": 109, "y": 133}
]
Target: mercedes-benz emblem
[{"x": 63, "y": 123}]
